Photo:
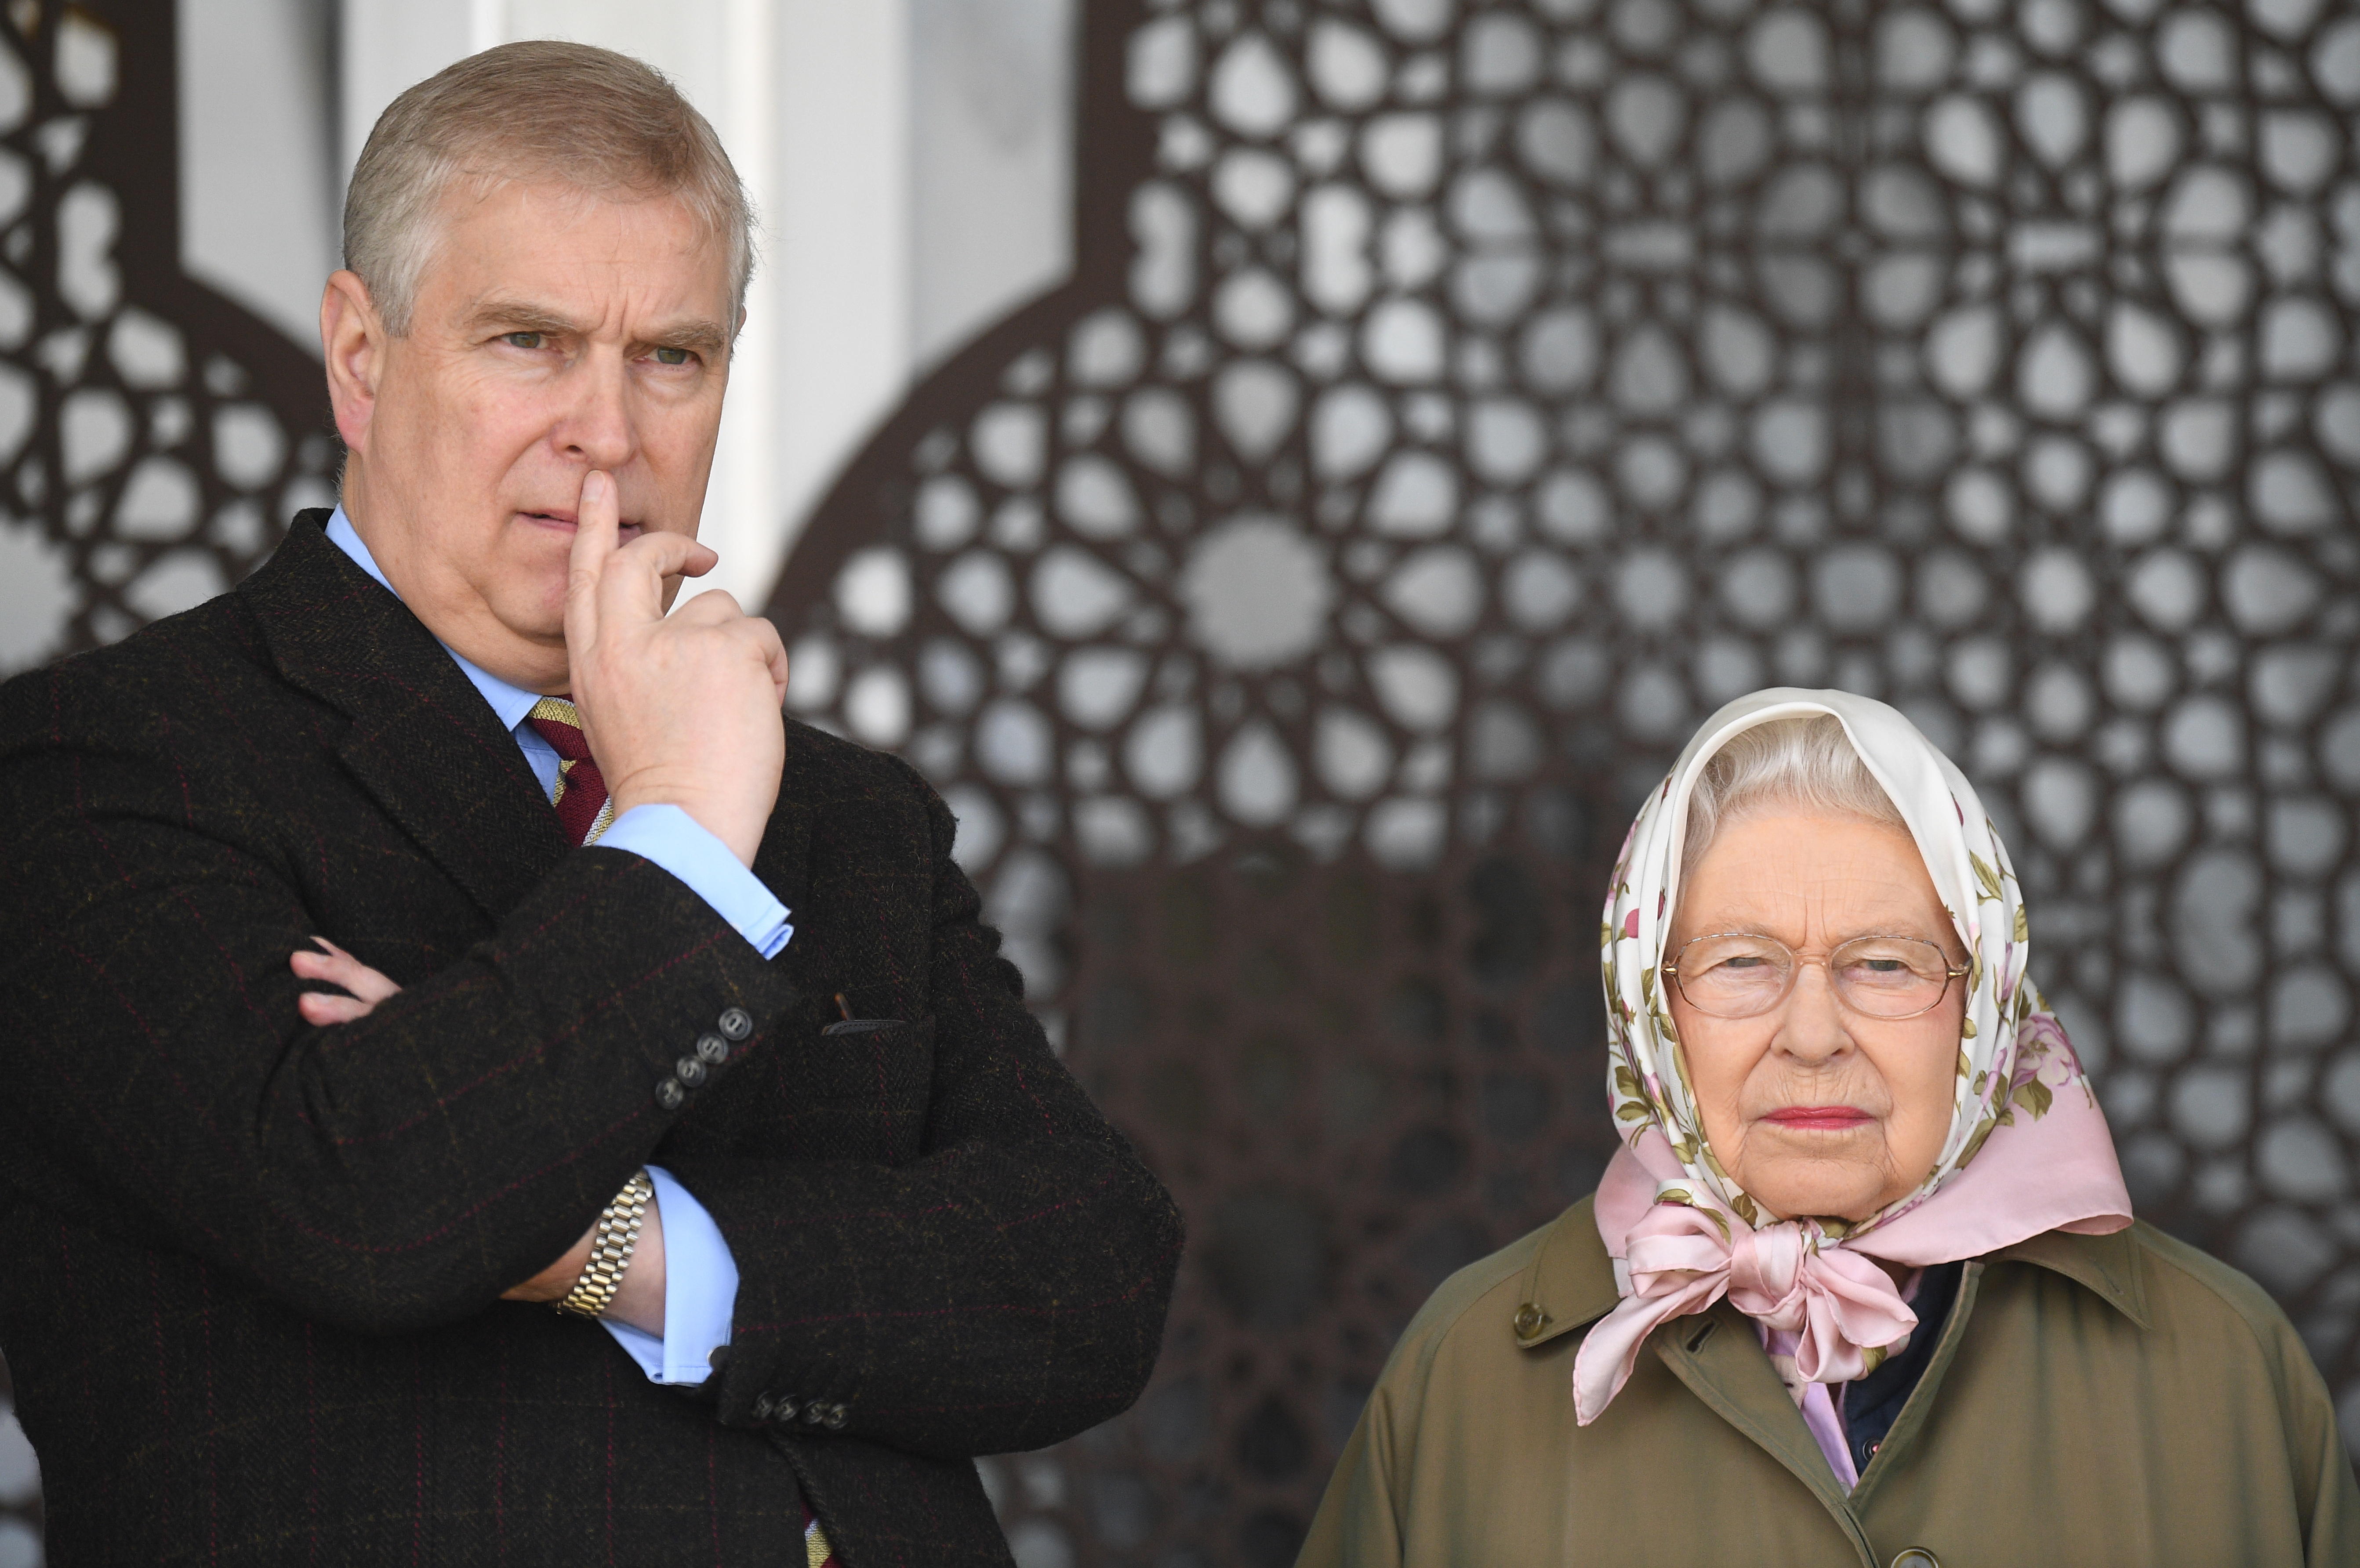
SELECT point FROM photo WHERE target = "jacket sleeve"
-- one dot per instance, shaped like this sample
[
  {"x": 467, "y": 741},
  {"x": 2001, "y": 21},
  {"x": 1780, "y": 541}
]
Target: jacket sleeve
[
  {"x": 386, "y": 1175},
  {"x": 1003, "y": 1291},
  {"x": 2324, "y": 1486}
]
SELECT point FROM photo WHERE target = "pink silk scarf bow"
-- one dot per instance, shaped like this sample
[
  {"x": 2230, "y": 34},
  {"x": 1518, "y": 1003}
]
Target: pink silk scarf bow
[{"x": 1681, "y": 1259}]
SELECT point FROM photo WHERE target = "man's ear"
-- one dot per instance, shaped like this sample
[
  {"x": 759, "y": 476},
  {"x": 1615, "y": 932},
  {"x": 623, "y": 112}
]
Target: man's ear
[{"x": 352, "y": 340}]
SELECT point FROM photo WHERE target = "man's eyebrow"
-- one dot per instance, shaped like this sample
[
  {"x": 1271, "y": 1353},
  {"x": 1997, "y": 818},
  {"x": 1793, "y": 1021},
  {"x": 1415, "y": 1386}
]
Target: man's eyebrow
[
  {"x": 704, "y": 338},
  {"x": 516, "y": 316}
]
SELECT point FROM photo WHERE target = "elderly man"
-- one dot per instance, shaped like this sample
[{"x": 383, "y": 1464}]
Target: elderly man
[{"x": 432, "y": 931}]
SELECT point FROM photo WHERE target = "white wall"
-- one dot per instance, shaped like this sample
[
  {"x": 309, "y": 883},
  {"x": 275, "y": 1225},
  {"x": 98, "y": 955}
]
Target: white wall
[
  {"x": 261, "y": 187},
  {"x": 840, "y": 258},
  {"x": 992, "y": 158}
]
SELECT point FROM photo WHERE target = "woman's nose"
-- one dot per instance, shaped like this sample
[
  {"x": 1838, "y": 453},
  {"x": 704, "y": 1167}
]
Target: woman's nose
[{"x": 1811, "y": 1028}]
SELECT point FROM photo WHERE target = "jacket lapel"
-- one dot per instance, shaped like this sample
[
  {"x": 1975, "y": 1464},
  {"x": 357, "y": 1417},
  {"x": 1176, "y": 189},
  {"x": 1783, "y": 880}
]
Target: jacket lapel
[
  {"x": 1718, "y": 1356},
  {"x": 423, "y": 741},
  {"x": 1570, "y": 1284},
  {"x": 1921, "y": 1403},
  {"x": 783, "y": 861}
]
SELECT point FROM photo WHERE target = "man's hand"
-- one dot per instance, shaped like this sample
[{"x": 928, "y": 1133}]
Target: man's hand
[
  {"x": 679, "y": 711},
  {"x": 337, "y": 967},
  {"x": 640, "y": 1301}
]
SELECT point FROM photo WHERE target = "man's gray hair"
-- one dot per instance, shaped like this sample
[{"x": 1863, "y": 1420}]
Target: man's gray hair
[
  {"x": 538, "y": 110},
  {"x": 1807, "y": 762}
]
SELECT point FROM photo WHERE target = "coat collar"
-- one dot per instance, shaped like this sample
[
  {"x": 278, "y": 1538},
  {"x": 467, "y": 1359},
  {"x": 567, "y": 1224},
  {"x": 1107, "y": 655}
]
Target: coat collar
[
  {"x": 2111, "y": 1267},
  {"x": 422, "y": 742},
  {"x": 1570, "y": 1284}
]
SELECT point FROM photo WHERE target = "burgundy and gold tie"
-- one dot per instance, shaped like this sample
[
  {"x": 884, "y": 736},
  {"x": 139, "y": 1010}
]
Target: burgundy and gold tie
[
  {"x": 582, "y": 808},
  {"x": 817, "y": 1553}
]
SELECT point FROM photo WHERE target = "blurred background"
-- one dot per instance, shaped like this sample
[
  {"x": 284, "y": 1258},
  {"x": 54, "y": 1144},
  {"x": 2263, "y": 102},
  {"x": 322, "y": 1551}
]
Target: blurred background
[{"x": 1293, "y": 472}]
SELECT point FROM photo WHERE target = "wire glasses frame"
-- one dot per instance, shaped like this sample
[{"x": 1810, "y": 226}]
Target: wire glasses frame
[{"x": 1742, "y": 974}]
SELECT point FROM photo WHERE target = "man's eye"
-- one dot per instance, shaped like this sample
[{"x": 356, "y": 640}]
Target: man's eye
[
  {"x": 523, "y": 340},
  {"x": 671, "y": 356}
]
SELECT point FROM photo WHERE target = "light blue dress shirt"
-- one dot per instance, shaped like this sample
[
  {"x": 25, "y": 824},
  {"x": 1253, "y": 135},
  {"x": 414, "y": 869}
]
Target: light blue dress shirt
[{"x": 700, "y": 1275}]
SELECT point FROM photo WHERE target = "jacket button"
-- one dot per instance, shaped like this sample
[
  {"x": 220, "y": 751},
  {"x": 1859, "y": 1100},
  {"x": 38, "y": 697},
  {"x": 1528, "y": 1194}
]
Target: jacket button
[
  {"x": 834, "y": 1422},
  {"x": 1916, "y": 1557},
  {"x": 689, "y": 1071},
  {"x": 735, "y": 1025},
  {"x": 761, "y": 1407},
  {"x": 784, "y": 1410},
  {"x": 817, "y": 1412},
  {"x": 1530, "y": 1320},
  {"x": 670, "y": 1094},
  {"x": 712, "y": 1049}
]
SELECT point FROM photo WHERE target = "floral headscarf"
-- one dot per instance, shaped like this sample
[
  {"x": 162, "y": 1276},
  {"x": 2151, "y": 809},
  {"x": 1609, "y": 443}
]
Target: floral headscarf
[{"x": 1684, "y": 1233}]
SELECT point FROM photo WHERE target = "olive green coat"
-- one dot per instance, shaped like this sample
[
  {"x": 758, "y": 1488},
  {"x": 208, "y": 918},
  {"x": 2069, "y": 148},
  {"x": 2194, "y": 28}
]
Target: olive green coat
[{"x": 2093, "y": 1399}]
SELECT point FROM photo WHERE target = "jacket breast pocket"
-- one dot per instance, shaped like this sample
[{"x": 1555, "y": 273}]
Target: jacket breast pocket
[{"x": 863, "y": 1094}]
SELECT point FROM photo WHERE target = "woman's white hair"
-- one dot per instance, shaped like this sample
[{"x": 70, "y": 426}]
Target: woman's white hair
[
  {"x": 536, "y": 110},
  {"x": 1807, "y": 762}
]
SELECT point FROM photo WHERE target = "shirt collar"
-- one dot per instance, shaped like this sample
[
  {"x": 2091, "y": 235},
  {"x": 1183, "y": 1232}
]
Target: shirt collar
[{"x": 512, "y": 703}]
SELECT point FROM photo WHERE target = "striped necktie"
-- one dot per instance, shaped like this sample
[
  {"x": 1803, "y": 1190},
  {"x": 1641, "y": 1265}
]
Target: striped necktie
[
  {"x": 582, "y": 808},
  {"x": 817, "y": 1553}
]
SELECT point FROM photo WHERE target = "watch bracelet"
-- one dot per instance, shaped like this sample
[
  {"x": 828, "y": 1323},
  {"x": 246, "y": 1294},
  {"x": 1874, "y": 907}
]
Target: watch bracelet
[{"x": 611, "y": 1244}]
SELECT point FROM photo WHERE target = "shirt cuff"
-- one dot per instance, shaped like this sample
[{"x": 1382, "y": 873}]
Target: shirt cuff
[
  {"x": 700, "y": 1290},
  {"x": 677, "y": 841}
]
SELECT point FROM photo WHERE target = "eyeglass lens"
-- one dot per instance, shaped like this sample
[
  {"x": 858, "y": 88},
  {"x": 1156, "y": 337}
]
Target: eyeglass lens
[{"x": 1738, "y": 976}]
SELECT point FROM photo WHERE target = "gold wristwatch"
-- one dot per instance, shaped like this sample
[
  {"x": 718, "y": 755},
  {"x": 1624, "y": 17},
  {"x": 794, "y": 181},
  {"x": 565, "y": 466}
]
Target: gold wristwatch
[{"x": 610, "y": 1250}]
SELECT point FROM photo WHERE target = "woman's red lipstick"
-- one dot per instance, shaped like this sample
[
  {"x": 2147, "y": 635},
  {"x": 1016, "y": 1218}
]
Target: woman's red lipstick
[{"x": 1819, "y": 1118}]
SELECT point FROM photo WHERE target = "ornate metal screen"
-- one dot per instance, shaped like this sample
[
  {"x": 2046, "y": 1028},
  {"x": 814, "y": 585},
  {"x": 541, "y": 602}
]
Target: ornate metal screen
[
  {"x": 1454, "y": 403},
  {"x": 154, "y": 436}
]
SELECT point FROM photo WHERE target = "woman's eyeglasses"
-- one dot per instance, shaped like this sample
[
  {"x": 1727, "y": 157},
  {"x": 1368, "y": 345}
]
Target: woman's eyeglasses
[{"x": 1736, "y": 976}]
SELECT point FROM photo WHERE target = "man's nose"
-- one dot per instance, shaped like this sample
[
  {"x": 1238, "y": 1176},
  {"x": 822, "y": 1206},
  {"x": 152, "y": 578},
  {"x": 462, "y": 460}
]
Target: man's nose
[
  {"x": 1811, "y": 1028},
  {"x": 597, "y": 425}
]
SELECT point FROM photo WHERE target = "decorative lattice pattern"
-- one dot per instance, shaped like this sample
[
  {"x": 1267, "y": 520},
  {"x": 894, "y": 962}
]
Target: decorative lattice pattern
[
  {"x": 1456, "y": 402},
  {"x": 154, "y": 437}
]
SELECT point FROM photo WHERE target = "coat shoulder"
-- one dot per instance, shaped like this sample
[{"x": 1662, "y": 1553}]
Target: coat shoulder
[
  {"x": 830, "y": 764},
  {"x": 178, "y": 665},
  {"x": 2192, "y": 1280}
]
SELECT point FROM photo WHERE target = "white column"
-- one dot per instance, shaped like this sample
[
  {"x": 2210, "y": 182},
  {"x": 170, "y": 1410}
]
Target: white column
[
  {"x": 387, "y": 45},
  {"x": 840, "y": 256},
  {"x": 992, "y": 163},
  {"x": 258, "y": 176}
]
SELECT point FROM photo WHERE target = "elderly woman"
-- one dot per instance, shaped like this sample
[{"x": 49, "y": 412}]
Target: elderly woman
[{"x": 1862, "y": 1285}]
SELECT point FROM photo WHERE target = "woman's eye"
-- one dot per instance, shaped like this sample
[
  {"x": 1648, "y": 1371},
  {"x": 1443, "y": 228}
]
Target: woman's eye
[
  {"x": 523, "y": 340},
  {"x": 671, "y": 356}
]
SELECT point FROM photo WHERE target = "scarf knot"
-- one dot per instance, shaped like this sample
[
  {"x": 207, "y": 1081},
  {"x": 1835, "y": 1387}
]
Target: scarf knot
[{"x": 1680, "y": 1259}]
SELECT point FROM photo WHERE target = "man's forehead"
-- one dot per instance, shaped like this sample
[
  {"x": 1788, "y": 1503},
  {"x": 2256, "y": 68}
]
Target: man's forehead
[{"x": 576, "y": 254}]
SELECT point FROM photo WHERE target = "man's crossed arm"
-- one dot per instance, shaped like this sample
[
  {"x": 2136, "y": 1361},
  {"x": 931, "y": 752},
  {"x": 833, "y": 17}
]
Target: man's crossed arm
[{"x": 640, "y": 1301}]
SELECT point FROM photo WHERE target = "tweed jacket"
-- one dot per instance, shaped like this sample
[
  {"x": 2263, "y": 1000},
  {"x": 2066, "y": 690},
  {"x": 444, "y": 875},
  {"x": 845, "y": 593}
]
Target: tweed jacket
[{"x": 249, "y": 1268}]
